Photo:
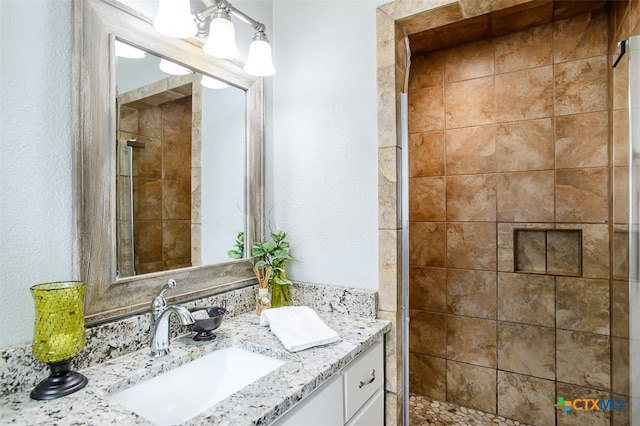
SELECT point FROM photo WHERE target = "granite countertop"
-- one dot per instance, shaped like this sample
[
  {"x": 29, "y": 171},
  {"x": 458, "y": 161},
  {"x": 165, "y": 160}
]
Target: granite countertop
[{"x": 257, "y": 404}]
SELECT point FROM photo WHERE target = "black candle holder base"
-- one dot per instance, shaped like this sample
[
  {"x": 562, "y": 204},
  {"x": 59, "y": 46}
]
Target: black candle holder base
[{"x": 61, "y": 382}]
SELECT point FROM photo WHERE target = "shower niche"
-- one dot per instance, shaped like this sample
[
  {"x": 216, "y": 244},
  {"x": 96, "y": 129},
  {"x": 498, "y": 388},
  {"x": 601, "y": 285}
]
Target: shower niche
[{"x": 548, "y": 251}]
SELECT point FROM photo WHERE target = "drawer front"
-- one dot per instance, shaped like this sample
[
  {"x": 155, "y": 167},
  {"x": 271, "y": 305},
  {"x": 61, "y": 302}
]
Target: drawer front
[
  {"x": 362, "y": 378},
  {"x": 322, "y": 408},
  {"x": 372, "y": 414}
]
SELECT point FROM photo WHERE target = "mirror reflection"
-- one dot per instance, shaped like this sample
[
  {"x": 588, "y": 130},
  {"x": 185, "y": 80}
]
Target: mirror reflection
[{"x": 180, "y": 169}]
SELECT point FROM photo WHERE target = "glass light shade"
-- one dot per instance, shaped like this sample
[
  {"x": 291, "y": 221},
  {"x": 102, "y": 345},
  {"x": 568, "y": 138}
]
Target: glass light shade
[
  {"x": 174, "y": 19},
  {"x": 259, "y": 62},
  {"x": 125, "y": 50},
  {"x": 213, "y": 83},
  {"x": 173, "y": 68},
  {"x": 58, "y": 336},
  {"x": 222, "y": 39}
]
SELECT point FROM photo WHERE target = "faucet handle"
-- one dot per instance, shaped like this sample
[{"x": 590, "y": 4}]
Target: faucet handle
[{"x": 159, "y": 303}]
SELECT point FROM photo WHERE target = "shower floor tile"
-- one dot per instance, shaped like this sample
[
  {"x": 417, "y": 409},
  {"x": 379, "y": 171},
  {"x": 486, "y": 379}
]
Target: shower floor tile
[{"x": 424, "y": 411}]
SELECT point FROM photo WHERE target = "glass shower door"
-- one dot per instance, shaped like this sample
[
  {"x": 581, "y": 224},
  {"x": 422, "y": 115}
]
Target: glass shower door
[{"x": 634, "y": 248}]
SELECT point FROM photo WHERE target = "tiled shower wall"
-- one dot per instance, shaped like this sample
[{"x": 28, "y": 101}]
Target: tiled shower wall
[
  {"x": 161, "y": 183},
  {"x": 512, "y": 133}
]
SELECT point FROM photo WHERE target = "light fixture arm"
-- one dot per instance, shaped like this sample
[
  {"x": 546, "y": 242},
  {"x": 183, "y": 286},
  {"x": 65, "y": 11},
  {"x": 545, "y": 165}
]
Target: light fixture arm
[{"x": 203, "y": 17}]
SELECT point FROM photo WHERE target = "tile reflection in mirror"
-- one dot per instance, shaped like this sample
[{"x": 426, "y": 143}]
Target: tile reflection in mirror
[{"x": 180, "y": 167}]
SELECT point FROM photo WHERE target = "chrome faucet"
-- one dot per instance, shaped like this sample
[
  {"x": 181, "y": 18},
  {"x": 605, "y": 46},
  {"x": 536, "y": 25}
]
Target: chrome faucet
[{"x": 160, "y": 315}]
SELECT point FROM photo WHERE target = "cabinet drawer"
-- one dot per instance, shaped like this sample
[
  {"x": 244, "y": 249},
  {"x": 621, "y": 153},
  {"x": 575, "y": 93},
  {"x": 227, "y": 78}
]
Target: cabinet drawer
[
  {"x": 372, "y": 414},
  {"x": 362, "y": 378}
]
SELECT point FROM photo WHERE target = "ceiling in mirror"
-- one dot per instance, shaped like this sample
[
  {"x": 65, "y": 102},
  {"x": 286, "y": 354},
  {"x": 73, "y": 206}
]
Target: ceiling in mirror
[{"x": 180, "y": 164}]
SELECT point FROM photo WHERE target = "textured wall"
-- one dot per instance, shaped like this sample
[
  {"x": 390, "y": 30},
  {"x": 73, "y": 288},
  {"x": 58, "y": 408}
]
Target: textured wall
[
  {"x": 511, "y": 132},
  {"x": 322, "y": 162},
  {"x": 36, "y": 145}
]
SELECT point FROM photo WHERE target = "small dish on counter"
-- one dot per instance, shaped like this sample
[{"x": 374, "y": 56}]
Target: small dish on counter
[{"x": 206, "y": 320}]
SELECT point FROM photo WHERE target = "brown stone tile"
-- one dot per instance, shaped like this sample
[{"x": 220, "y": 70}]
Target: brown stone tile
[
  {"x": 620, "y": 308},
  {"x": 564, "y": 252},
  {"x": 620, "y": 374},
  {"x": 176, "y": 200},
  {"x": 147, "y": 161},
  {"x": 471, "y": 293},
  {"x": 581, "y": 86},
  {"x": 428, "y": 289},
  {"x": 427, "y": 333},
  {"x": 529, "y": 48},
  {"x": 580, "y": 37},
  {"x": 460, "y": 112},
  {"x": 427, "y": 199},
  {"x": 176, "y": 239},
  {"x": 582, "y": 304},
  {"x": 513, "y": 19},
  {"x": 147, "y": 199},
  {"x": 468, "y": 61},
  {"x": 427, "y": 70},
  {"x": 530, "y": 252},
  {"x": 595, "y": 248},
  {"x": 471, "y": 198},
  {"x": 621, "y": 86},
  {"x": 475, "y": 8},
  {"x": 428, "y": 376},
  {"x": 581, "y": 417},
  {"x": 150, "y": 122},
  {"x": 426, "y": 110},
  {"x": 471, "y": 340},
  {"x": 622, "y": 416},
  {"x": 620, "y": 195},
  {"x": 426, "y": 154},
  {"x": 583, "y": 359},
  {"x": 621, "y": 137},
  {"x": 176, "y": 121},
  {"x": 427, "y": 244},
  {"x": 525, "y": 145},
  {"x": 582, "y": 140},
  {"x": 128, "y": 120},
  {"x": 526, "y": 399},
  {"x": 471, "y": 245},
  {"x": 176, "y": 161},
  {"x": 471, "y": 386},
  {"x": 527, "y": 299},
  {"x": 524, "y": 95},
  {"x": 526, "y": 196},
  {"x": 471, "y": 150},
  {"x": 527, "y": 349},
  {"x": 148, "y": 241},
  {"x": 389, "y": 216},
  {"x": 620, "y": 267},
  {"x": 581, "y": 195}
]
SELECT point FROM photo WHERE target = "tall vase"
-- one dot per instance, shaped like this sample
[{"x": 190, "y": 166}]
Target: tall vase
[
  {"x": 280, "y": 294},
  {"x": 58, "y": 336}
]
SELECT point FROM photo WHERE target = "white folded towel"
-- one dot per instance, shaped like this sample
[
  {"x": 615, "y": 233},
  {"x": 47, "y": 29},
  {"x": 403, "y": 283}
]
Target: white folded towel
[{"x": 298, "y": 327}]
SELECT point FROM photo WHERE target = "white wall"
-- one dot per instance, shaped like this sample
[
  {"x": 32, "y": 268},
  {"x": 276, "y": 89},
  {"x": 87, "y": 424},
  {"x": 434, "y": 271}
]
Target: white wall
[
  {"x": 322, "y": 159},
  {"x": 36, "y": 224},
  {"x": 321, "y": 153}
]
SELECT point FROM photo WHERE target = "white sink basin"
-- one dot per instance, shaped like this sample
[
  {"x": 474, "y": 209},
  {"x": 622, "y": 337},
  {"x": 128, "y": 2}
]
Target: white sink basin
[{"x": 186, "y": 391}]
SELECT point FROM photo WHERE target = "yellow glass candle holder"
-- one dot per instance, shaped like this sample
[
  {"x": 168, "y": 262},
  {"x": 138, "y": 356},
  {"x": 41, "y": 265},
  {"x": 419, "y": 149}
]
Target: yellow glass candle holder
[{"x": 58, "y": 336}]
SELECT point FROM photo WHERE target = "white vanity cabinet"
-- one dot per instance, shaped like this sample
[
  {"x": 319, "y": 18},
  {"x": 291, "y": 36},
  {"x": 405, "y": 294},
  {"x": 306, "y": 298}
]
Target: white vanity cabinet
[{"x": 353, "y": 397}]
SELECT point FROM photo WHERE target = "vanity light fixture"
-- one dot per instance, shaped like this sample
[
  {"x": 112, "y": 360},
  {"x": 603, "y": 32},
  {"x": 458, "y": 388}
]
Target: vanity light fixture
[
  {"x": 173, "y": 68},
  {"x": 174, "y": 19},
  {"x": 221, "y": 42},
  {"x": 215, "y": 23}
]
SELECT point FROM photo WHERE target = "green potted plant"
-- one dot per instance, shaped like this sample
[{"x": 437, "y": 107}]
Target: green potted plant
[{"x": 273, "y": 254}]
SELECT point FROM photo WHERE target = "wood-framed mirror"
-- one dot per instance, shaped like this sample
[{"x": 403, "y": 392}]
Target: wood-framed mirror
[{"x": 99, "y": 26}]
